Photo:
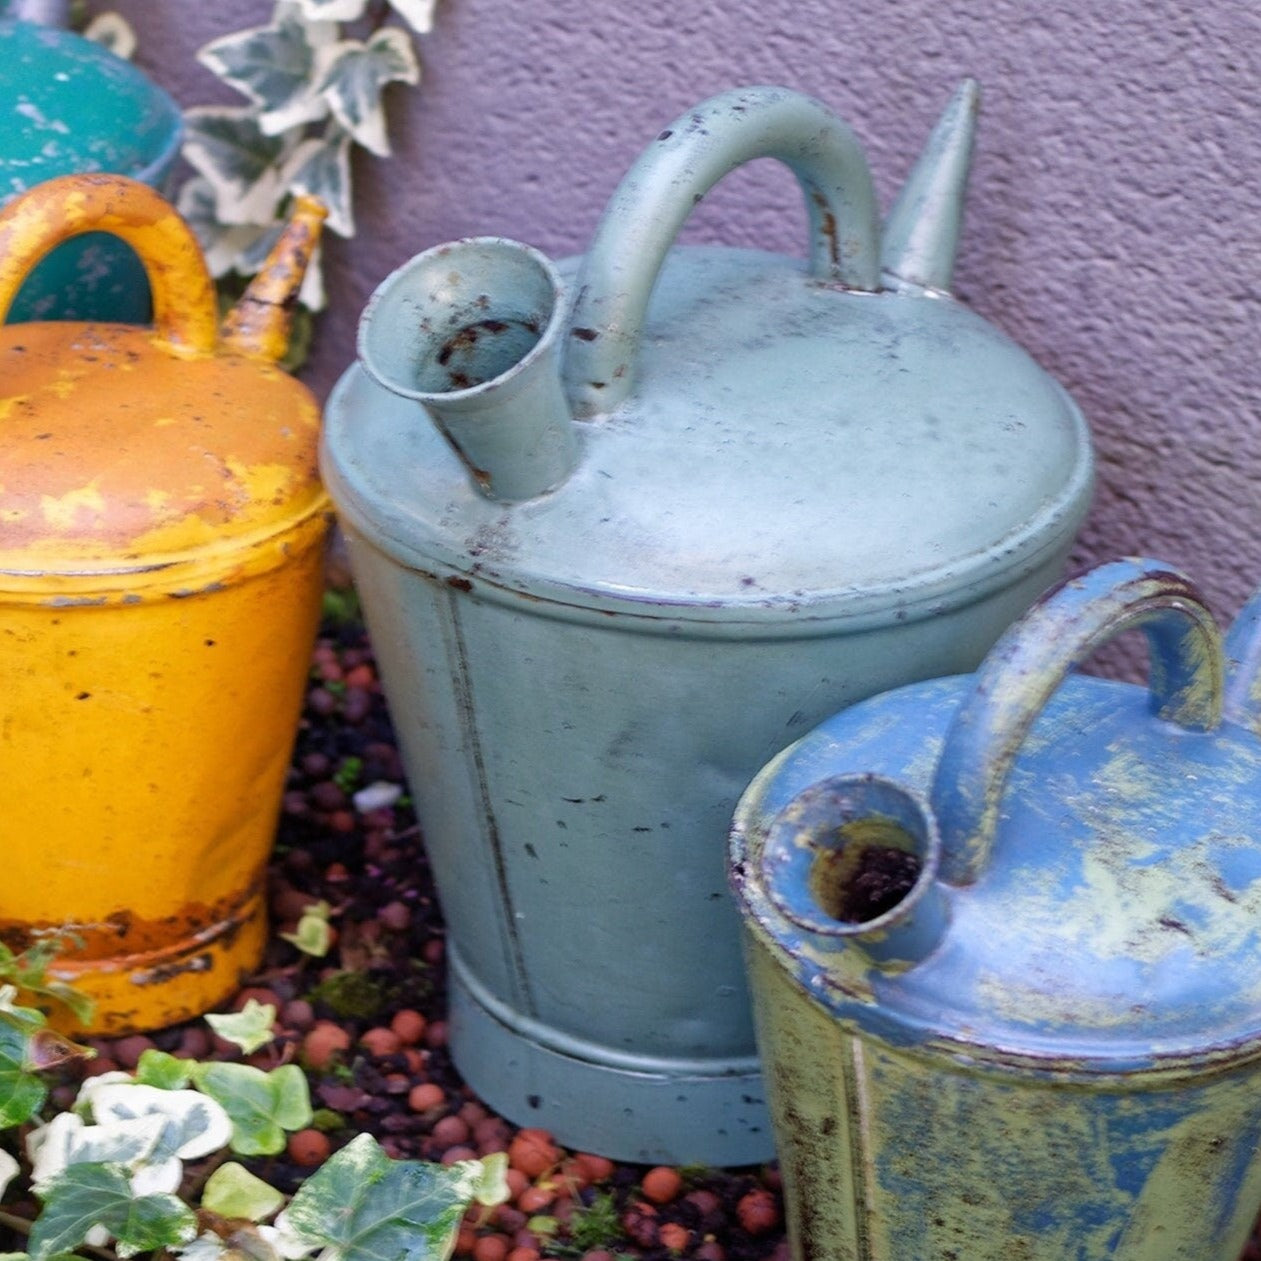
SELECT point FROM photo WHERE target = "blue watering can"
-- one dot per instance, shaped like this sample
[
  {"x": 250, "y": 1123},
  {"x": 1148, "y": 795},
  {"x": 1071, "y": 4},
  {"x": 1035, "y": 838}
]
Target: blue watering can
[
  {"x": 623, "y": 526},
  {"x": 1003, "y": 933}
]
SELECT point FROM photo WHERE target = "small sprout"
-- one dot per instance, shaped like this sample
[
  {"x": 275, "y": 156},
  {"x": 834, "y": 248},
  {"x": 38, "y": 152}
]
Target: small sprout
[
  {"x": 251, "y": 1027},
  {"x": 313, "y": 936}
]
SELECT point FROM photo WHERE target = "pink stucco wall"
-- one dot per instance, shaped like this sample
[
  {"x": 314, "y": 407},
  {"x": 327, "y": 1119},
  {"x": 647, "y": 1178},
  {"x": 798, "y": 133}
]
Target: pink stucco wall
[{"x": 1115, "y": 209}]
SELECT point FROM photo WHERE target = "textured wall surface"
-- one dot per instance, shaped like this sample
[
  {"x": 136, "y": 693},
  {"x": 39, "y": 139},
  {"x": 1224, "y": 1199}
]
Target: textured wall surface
[{"x": 1114, "y": 226}]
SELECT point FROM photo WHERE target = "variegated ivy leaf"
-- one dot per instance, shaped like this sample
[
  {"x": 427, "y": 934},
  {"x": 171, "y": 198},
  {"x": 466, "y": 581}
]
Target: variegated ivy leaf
[
  {"x": 67, "y": 1141},
  {"x": 241, "y": 164},
  {"x": 418, "y": 14},
  {"x": 333, "y": 10},
  {"x": 355, "y": 73},
  {"x": 193, "y": 1125},
  {"x": 91, "y": 1197},
  {"x": 223, "y": 244},
  {"x": 114, "y": 32},
  {"x": 361, "y": 1205},
  {"x": 8, "y": 1170},
  {"x": 320, "y": 166},
  {"x": 275, "y": 66}
]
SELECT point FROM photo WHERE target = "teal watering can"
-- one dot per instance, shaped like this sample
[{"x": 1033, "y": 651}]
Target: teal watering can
[
  {"x": 622, "y": 527},
  {"x": 1003, "y": 933},
  {"x": 70, "y": 106}
]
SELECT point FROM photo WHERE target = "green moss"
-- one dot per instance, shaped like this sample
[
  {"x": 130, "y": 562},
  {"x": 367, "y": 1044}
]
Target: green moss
[{"x": 353, "y": 995}]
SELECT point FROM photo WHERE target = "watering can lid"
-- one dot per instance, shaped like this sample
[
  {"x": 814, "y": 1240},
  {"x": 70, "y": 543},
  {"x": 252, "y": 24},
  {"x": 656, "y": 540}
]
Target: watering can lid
[
  {"x": 70, "y": 105},
  {"x": 1090, "y": 895},
  {"x": 779, "y": 440},
  {"x": 125, "y": 449}
]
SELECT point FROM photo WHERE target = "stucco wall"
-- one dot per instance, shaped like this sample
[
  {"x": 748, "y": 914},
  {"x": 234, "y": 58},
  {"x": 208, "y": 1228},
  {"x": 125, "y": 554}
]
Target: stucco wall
[{"x": 1115, "y": 209}]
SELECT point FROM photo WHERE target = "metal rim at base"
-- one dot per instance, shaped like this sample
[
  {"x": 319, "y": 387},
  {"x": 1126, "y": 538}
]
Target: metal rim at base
[{"x": 648, "y": 1117}]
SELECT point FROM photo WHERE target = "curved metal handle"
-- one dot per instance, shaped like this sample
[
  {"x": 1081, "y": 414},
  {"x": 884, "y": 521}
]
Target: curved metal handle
[
  {"x": 658, "y": 193},
  {"x": 1026, "y": 666},
  {"x": 185, "y": 314}
]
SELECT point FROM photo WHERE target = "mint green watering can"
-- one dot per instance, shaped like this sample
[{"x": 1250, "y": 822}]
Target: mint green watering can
[{"x": 622, "y": 528}]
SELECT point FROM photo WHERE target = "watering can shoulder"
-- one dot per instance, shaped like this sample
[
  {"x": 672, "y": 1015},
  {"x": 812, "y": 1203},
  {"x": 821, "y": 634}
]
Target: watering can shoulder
[
  {"x": 784, "y": 441},
  {"x": 119, "y": 454},
  {"x": 1117, "y": 926},
  {"x": 70, "y": 105}
]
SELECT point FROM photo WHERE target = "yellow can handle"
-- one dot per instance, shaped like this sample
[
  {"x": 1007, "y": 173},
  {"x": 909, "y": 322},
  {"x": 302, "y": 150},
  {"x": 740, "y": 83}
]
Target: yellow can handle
[{"x": 185, "y": 312}]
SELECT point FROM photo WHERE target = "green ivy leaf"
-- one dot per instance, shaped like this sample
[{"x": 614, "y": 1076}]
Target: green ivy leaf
[
  {"x": 250, "y": 1028},
  {"x": 274, "y": 66},
  {"x": 312, "y": 936},
  {"x": 361, "y": 1205},
  {"x": 232, "y": 1191},
  {"x": 355, "y": 73},
  {"x": 166, "y": 1072},
  {"x": 22, "y": 1093},
  {"x": 241, "y": 164},
  {"x": 91, "y": 1195},
  {"x": 262, "y": 1105}
]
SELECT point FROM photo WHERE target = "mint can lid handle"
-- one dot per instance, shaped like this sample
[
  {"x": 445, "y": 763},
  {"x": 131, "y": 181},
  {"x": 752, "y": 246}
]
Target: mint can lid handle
[{"x": 658, "y": 193}]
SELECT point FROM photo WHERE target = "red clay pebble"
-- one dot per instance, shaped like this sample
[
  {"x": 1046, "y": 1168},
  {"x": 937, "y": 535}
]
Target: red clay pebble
[
  {"x": 323, "y": 1043},
  {"x": 380, "y": 1041},
  {"x": 434, "y": 951},
  {"x": 710, "y": 1250},
  {"x": 425, "y": 1096},
  {"x": 524, "y": 1254},
  {"x": 640, "y": 1223},
  {"x": 309, "y": 1148},
  {"x": 490, "y": 1248},
  {"x": 195, "y": 1043},
  {"x": 517, "y": 1182},
  {"x": 662, "y": 1184},
  {"x": 408, "y": 1026},
  {"x": 508, "y": 1219},
  {"x": 298, "y": 1015},
  {"x": 361, "y": 676},
  {"x": 596, "y": 1168},
  {"x": 127, "y": 1051},
  {"x": 395, "y": 915},
  {"x": 533, "y": 1152},
  {"x": 465, "y": 1238},
  {"x": 758, "y": 1212},
  {"x": 473, "y": 1112},
  {"x": 598, "y": 1254},
  {"x": 451, "y": 1131},
  {"x": 535, "y": 1199},
  {"x": 436, "y": 1034},
  {"x": 454, "y": 1154},
  {"x": 674, "y": 1235},
  {"x": 258, "y": 993}
]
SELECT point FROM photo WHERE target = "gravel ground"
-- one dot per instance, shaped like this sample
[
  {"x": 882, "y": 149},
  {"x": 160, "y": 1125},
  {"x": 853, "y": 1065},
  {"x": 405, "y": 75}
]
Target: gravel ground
[{"x": 367, "y": 1020}]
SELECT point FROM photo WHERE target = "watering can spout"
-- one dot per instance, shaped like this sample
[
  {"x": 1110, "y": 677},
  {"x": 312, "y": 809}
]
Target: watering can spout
[
  {"x": 921, "y": 234},
  {"x": 259, "y": 325},
  {"x": 471, "y": 330}
]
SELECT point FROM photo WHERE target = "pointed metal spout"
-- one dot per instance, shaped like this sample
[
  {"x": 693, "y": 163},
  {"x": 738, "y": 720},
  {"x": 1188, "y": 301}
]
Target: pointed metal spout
[
  {"x": 259, "y": 324},
  {"x": 471, "y": 330},
  {"x": 921, "y": 234}
]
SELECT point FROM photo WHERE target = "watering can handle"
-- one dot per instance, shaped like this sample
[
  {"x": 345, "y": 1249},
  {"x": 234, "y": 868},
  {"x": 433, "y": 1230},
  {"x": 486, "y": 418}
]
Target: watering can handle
[
  {"x": 1026, "y": 666},
  {"x": 658, "y": 193},
  {"x": 185, "y": 313}
]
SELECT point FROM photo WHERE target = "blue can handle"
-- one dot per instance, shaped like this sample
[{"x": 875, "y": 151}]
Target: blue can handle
[
  {"x": 658, "y": 193},
  {"x": 1026, "y": 666}
]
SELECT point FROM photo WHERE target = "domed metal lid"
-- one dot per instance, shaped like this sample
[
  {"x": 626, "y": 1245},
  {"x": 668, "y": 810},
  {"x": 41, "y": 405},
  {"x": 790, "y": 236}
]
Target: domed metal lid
[
  {"x": 123, "y": 450},
  {"x": 70, "y": 105},
  {"x": 754, "y": 439},
  {"x": 1027, "y": 870}
]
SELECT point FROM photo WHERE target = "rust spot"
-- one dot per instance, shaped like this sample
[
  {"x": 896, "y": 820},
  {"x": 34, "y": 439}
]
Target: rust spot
[
  {"x": 460, "y": 584},
  {"x": 1175, "y": 925},
  {"x": 585, "y": 334},
  {"x": 665, "y": 135}
]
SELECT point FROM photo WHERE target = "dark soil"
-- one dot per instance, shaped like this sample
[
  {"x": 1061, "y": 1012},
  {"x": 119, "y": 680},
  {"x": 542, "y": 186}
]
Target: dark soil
[{"x": 367, "y": 1020}]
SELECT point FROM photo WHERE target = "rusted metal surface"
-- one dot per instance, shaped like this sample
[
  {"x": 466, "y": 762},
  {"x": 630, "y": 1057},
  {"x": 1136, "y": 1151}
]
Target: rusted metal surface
[
  {"x": 1048, "y": 1047},
  {"x": 161, "y": 523}
]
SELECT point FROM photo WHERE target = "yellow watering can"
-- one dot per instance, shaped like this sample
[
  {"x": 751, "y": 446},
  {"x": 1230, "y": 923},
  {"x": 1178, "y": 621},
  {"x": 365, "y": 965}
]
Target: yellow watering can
[{"x": 161, "y": 530}]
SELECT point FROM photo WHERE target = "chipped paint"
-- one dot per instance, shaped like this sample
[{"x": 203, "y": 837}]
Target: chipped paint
[
  {"x": 164, "y": 522},
  {"x": 1071, "y": 1069}
]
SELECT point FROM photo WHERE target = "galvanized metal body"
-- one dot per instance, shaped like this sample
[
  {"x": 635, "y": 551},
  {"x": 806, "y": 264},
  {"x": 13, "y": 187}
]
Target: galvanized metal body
[
  {"x": 783, "y": 497},
  {"x": 1048, "y": 1047},
  {"x": 160, "y": 580},
  {"x": 72, "y": 106}
]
